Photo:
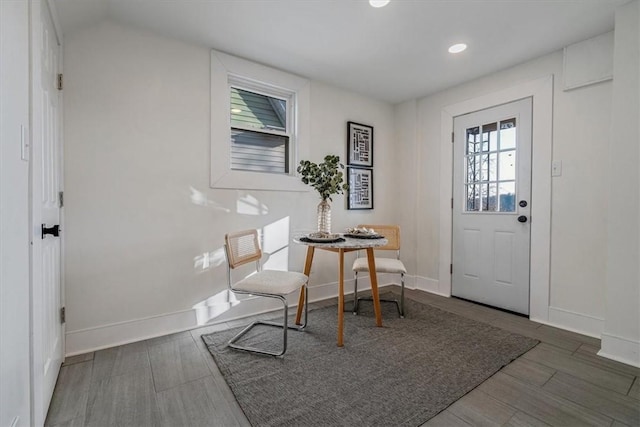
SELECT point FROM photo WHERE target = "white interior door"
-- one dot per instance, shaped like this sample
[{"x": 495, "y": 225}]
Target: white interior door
[
  {"x": 491, "y": 206},
  {"x": 46, "y": 211}
]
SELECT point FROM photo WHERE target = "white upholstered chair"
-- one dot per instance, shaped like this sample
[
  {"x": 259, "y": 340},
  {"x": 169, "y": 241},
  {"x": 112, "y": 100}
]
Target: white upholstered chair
[
  {"x": 383, "y": 264},
  {"x": 243, "y": 247}
]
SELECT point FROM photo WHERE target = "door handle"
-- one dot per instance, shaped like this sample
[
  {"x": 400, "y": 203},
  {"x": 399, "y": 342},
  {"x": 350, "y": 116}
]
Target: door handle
[
  {"x": 54, "y": 230},
  {"x": 522, "y": 218}
]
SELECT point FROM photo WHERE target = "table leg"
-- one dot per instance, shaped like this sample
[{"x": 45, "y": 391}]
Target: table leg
[
  {"x": 341, "y": 298},
  {"x": 307, "y": 271},
  {"x": 374, "y": 285}
]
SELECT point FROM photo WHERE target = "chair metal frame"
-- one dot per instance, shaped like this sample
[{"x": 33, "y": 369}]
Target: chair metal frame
[
  {"x": 393, "y": 245},
  {"x": 232, "y": 263}
]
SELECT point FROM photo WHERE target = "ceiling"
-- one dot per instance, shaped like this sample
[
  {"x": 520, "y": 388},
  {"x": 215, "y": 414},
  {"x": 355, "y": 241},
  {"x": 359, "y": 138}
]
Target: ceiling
[{"x": 393, "y": 53}]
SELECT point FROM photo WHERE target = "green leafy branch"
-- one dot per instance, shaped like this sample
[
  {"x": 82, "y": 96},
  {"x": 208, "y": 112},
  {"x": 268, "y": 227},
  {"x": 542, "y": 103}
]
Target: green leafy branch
[{"x": 326, "y": 177}]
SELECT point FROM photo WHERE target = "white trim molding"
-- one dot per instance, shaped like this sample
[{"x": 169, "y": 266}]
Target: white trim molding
[
  {"x": 541, "y": 91},
  {"x": 620, "y": 349},
  {"x": 222, "y": 176},
  {"x": 576, "y": 322}
]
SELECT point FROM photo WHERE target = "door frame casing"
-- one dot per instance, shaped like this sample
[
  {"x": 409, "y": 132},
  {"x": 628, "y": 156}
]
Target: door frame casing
[{"x": 541, "y": 91}]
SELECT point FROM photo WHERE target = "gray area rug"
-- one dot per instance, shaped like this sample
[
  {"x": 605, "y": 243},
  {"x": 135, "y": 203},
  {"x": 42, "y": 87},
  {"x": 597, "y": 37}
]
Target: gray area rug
[{"x": 399, "y": 375}]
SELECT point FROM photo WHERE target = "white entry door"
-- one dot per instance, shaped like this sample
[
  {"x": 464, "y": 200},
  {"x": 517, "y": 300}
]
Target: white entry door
[
  {"x": 491, "y": 206},
  {"x": 46, "y": 211}
]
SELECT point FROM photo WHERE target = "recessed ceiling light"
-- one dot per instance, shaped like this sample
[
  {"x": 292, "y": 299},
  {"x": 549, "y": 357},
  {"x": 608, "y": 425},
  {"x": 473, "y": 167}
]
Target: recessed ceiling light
[
  {"x": 457, "y": 48},
  {"x": 378, "y": 3}
]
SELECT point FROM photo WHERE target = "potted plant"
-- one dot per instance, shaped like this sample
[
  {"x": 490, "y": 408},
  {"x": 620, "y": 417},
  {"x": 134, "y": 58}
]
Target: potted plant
[{"x": 327, "y": 178}]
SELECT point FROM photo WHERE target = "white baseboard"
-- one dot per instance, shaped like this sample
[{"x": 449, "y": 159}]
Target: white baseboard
[
  {"x": 620, "y": 349},
  {"x": 429, "y": 285},
  {"x": 104, "y": 336},
  {"x": 575, "y": 322}
]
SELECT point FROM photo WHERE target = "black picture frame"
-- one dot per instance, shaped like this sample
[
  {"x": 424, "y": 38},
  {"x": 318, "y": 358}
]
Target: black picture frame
[
  {"x": 359, "y": 144},
  {"x": 360, "y": 188}
]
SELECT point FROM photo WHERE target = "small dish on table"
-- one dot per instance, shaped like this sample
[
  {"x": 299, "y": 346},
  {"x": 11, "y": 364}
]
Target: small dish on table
[
  {"x": 320, "y": 237},
  {"x": 362, "y": 233}
]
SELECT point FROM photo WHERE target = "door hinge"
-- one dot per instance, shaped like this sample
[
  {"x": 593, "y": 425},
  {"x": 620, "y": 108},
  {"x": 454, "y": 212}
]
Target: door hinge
[
  {"x": 59, "y": 82},
  {"x": 61, "y": 198},
  {"x": 452, "y": 203},
  {"x": 452, "y": 137},
  {"x": 63, "y": 315},
  {"x": 450, "y": 268}
]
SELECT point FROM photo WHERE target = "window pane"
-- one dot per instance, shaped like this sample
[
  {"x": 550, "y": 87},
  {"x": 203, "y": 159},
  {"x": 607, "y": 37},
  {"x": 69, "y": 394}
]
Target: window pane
[
  {"x": 490, "y": 137},
  {"x": 473, "y": 140},
  {"x": 507, "y": 165},
  {"x": 507, "y": 196},
  {"x": 484, "y": 189},
  {"x": 473, "y": 198},
  {"x": 508, "y": 134},
  {"x": 492, "y": 203},
  {"x": 257, "y": 111},
  {"x": 257, "y": 151},
  {"x": 489, "y": 164},
  {"x": 473, "y": 168}
]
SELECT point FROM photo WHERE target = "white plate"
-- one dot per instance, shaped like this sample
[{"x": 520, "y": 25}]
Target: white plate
[{"x": 329, "y": 238}]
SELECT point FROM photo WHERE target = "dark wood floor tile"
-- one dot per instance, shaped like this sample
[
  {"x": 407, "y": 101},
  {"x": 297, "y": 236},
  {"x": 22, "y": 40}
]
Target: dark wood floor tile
[
  {"x": 634, "y": 391},
  {"x": 529, "y": 371},
  {"x": 588, "y": 353},
  {"x": 77, "y": 359},
  {"x": 166, "y": 338},
  {"x": 123, "y": 400},
  {"x": 540, "y": 404},
  {"x": 71, "y": 393},
  {"x": 479, "y": 409},
  {"x": 198, "y": 403},
  {"x": 554, "y": 358},
  {"x": 445, "y": 419},
  {"x": 617, "y": 406},
  {"x": 520, "y": 419},
  {"x": 120, "y": 360},
  {"x": 76, "y": 422},
  {"x": 176, "y": 362},
  {"x": 568, "y": 335}
]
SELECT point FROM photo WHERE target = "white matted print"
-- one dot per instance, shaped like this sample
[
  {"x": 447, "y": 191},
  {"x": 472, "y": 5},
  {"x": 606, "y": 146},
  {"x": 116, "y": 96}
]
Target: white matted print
[
  {"x": 360, "y": 188},
  {"x": 359, "y": 144}
]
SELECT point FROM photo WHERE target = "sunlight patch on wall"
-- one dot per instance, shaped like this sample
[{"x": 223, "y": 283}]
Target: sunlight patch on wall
[
  {"x": 249, "y": 205},
  {"x": 199, "y": 198},
  {"x": 275, "y": 243},
  {"x": 214, "y": 306},
  {"x": 209, "y": 260}
]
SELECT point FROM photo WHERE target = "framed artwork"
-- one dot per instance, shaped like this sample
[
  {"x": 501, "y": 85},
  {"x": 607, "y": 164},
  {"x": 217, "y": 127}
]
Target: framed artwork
[
  {"x": 359, "y": 144},
  {"x": 360, "y": 188}
]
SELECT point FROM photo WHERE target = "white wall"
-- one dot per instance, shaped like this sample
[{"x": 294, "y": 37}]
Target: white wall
[
  {"x": 140, "y": 216},
  {"x": 14, "y": 215},
  {"x": 621, "y": 337},
  {"x": 581, "y": 125}
]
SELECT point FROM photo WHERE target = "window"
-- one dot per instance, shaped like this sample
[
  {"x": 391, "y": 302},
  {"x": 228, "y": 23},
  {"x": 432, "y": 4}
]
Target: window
[
  {"x": 261, "y": 131},
  {"x": 490, "y": 159},
  {"x": 259, "y": 125}
]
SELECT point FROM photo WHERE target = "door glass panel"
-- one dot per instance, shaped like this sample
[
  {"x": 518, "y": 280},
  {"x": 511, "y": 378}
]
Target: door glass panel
[
  {"x": 490, "y": 181},
  {"x": 508, "y": 134},
  {"x": 473, "y": 199},
  {"x": 473, "y": 140},
  {"x": 490, "y": 137},
  {"x": 507, "y": 196},
  {"x": 507, "y": 165},
  {"x": 492, "y": 205}
]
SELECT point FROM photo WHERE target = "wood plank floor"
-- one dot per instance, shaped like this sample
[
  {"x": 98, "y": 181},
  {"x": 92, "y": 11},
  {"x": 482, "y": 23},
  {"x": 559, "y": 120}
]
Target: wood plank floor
[{"x": 173, "y": 381}]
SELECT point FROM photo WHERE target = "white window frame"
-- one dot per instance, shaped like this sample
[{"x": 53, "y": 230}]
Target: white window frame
[
  {"x": 227, "y": 70},
  {"x": 288, "y": 96}
]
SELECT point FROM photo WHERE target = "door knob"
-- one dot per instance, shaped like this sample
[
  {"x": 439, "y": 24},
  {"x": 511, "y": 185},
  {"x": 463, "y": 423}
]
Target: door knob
[
  {"x": 54, "y": 230},
  {"x": 522, "y": 218}
]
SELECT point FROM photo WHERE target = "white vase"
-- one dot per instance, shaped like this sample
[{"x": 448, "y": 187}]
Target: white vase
[{"x": 324, "y": 216}]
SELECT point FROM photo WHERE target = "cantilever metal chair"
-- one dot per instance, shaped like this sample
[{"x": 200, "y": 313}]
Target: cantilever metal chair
[
  {"x": 383, "y": 264},
  {"x": 243, "y": 247}
]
